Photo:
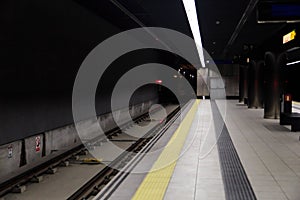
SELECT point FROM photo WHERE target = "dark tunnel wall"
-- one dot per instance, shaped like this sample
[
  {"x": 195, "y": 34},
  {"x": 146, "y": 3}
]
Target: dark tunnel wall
[{"x": 43, "y": 44}]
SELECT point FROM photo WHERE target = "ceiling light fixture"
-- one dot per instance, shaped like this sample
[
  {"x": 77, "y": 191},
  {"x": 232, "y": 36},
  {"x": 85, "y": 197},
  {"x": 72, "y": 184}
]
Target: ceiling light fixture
[
  {"x": 190, "y": 10},
  {"x": 292, "y": 63}
]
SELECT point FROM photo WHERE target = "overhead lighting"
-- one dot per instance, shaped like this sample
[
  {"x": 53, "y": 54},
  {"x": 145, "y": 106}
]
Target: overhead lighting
[
  {"x": 190, "y": 10},
  {"x": 292, "y": 63},
  {"x": 293, "y": 49}
]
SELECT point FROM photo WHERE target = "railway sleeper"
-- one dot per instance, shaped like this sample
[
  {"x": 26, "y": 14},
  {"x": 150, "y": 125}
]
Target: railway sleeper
[
  {"x": 51, "y": 170},
  {"x": 36, "y": 179},
  {"x": 115, "y": 134},
  {"x": 106, "y": 179},
  {"x": 18, "y": 189},
  {"x": 83, "y": 152},
  {"x": 74, "y": 157},
  {"x": 95, "y": 191},
  {"x": 64, "y": 163},
  {"x": 114, "y": 172}
]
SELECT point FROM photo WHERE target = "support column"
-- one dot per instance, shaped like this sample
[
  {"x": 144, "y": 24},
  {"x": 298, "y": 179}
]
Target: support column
[
  {"x": 272, "y": 86},
  {"x": 251, "y": 83},
  {"x": 255, "y": 99},
  {"x": 243, "y": 83}
]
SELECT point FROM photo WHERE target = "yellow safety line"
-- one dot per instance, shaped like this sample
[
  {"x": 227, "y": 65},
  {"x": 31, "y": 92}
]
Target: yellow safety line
[{"x": 157, "y": 180}]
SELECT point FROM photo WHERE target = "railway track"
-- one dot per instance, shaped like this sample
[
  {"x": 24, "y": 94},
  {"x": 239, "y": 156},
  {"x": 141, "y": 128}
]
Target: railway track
[
  {"x": 22, "y": 179},
  {"x": 127, "y": 161},
  {"x": 94, "y": 185}
]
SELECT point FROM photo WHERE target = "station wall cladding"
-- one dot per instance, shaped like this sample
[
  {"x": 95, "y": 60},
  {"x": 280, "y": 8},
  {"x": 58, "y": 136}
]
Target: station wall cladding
[
  {"x": 230, "y": 75},
  {"x": 43, "y": 44}
]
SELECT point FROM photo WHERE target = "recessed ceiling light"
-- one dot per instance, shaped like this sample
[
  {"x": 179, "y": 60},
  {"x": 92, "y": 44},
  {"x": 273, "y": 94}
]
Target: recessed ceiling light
[
  {"x": 218, "y": 22},
  {"x": 214, "y": 42}
]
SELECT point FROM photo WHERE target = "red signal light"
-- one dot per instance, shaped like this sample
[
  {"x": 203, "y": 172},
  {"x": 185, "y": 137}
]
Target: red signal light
[{"x": 158, "y": 81}]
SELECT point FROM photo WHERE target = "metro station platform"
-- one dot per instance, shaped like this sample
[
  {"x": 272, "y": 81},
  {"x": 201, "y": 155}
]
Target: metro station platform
[{"x": 220, "y": 150}]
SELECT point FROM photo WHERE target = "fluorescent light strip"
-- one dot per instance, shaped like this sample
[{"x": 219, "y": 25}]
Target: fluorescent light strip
[
  {"x": 291, "y": 63},
  {"x": 190, "y": 10}
]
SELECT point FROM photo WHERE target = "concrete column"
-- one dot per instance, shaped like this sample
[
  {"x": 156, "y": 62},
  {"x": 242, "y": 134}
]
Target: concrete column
[
  {"x": 272, "y": 86},
  {"x": 243, "y": 83},
  {"x": 255, "y": 84},
  {"x": 251, "y": 83}
]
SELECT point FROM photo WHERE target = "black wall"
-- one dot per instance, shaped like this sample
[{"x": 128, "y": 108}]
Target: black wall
[
  {"x": 289, "y": 75},
  {"x": 42, "y": 45}
]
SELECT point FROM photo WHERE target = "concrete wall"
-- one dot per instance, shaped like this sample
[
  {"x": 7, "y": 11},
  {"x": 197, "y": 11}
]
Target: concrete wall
[
  {"x": 59, "y": 140},
  {"x": 9, "y": 163},
  {"x": 202, "y": 81},
  {"x": 33, "y": 153},
  {"x": 230, "y": 75},
  {"x": 39, "y": 65}
]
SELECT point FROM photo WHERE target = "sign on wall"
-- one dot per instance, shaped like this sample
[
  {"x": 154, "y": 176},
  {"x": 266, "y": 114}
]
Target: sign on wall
[
  {"x": 37, "y": 143},
  {"x": 10, "y": 151},
  {"x": 289, "y": 37}
]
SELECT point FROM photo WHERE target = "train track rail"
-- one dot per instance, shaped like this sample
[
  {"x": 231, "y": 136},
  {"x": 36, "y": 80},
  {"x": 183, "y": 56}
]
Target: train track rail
[
  {"x": 26, "y": 177},
  {"x": 127, "y": 160}
]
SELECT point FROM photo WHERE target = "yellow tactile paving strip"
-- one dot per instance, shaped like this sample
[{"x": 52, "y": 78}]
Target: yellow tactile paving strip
[{"x": 156, "y": 182}]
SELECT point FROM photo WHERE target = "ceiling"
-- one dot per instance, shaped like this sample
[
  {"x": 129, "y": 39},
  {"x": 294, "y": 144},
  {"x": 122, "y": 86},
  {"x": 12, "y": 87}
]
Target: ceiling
[{"x": 226, "y": 26}]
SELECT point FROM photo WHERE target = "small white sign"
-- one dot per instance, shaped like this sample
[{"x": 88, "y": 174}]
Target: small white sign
[
  {"x": 37, "y": 143},
  {"x": 10, "y": 151}
]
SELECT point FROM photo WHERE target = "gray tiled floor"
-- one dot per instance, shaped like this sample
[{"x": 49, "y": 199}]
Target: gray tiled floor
[
  {"x": 197, "y": 173},
  {"x": 269, "y": 152}
]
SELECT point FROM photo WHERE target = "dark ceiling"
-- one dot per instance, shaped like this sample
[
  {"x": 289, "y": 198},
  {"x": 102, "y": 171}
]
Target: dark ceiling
[
  {"x": 58, "y": 34},
  {"x": 226, "y": 26}
]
